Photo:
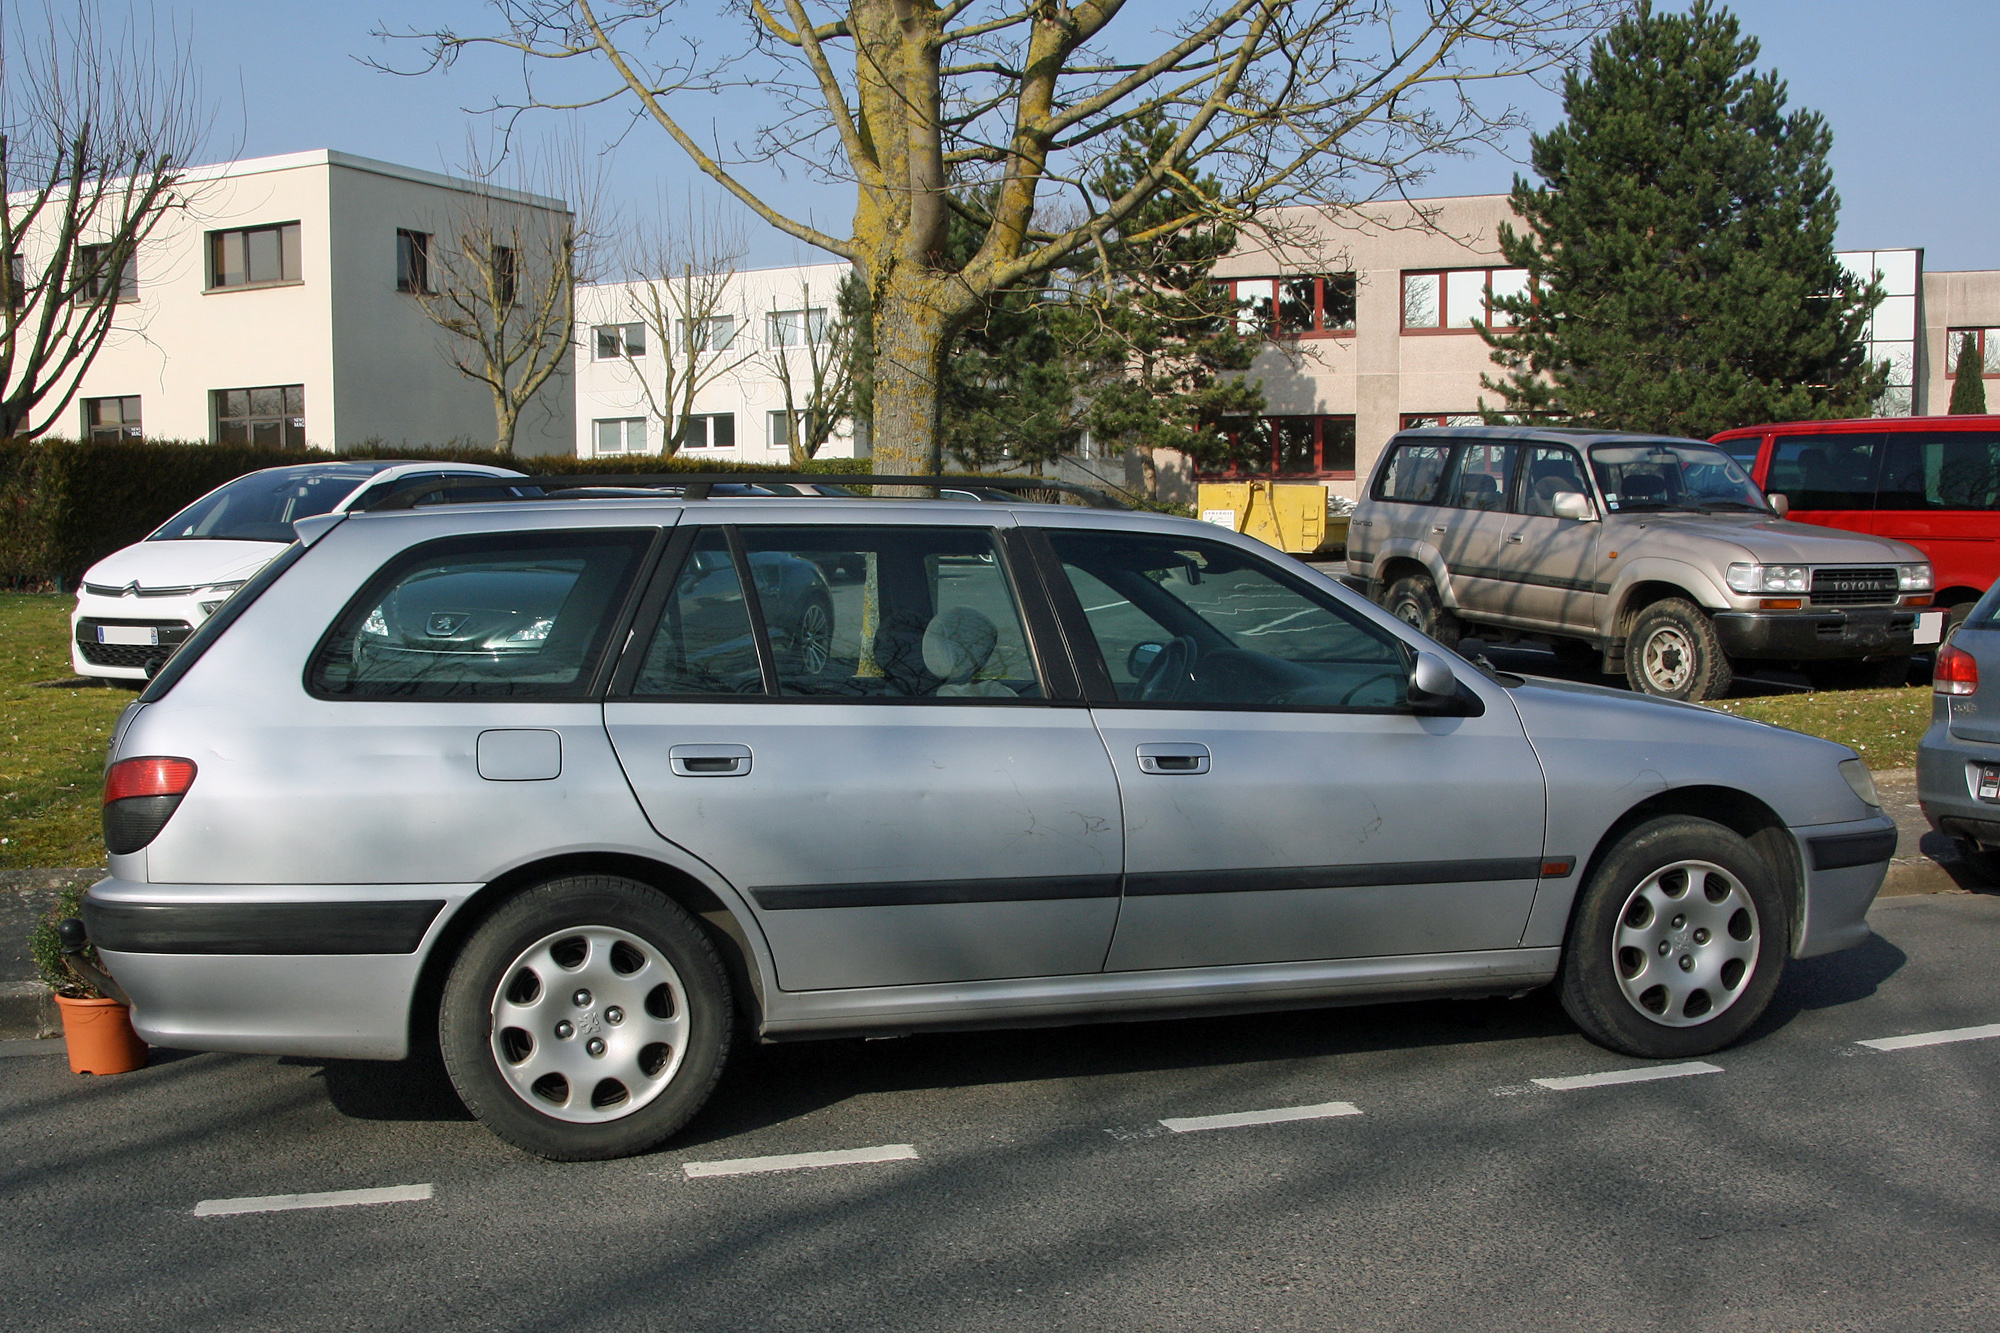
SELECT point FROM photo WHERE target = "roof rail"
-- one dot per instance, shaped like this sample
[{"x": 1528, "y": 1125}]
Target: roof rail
[{"x": 700, "y": 485}]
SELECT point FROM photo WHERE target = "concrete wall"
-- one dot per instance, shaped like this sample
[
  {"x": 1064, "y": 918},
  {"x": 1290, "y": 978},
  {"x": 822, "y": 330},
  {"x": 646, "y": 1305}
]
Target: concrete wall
[{"x": 1958, "y": 300}]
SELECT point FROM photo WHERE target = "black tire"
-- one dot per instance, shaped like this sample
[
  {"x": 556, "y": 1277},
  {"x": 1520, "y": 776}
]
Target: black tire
[
  {"x": 1414, "y": 600},
  {"x": 1955, "y": 617},
  {"x": 1673, "y": 653},
  {"x": 1885, "y": 673},
  {"x": 1612, "y": 969},
  {"x": 1983, "y": 862},
  {"x": 677, "y": 989}
]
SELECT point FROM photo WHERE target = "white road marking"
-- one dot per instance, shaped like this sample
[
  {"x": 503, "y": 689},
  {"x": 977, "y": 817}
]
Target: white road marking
[
  {"x": 1932, "y": 1038},
  {"x": 284, "y": 1203},
  {"x": 799, "y": 1161},
  {"x": 1645, "y": 1074},
  {"x": 1323, "y": 1111}
]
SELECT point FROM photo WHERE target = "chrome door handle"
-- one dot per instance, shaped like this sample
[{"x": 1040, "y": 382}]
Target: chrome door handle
[
  {"x": 1173, "y": 759},
  {"x": 709, "y": 761},
  {"x": 1440, "y": 531},
  {"x": 1513, "y": 539}
]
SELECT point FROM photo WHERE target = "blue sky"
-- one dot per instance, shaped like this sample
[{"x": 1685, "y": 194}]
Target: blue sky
[{"x": 1910, "y": 90}]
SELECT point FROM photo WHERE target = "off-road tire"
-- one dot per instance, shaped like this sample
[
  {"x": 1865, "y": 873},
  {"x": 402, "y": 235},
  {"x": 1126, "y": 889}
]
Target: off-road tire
[
  {"x": 1673, "y": 653},
  {"x": 1599, "y": 979},
  {"x": 1414, "y": 600},
  {"x": 491, "y": 957}
]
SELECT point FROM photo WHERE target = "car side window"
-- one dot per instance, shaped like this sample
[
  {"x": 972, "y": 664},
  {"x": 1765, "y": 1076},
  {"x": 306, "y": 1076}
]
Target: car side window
[
  {"x": 1552, "y": 470},
  {"x": 890, "y": 612},
  {"x": 1186, "y": 622},
  {"x": 1830, "y": 471},
  {"x": 1954, "y": 469},
  {"x": 703, "y": 642},
  {"x": 1484, "y": 475},
  {"x": 1413, "y": 472},
  {"x": 502, "y": 615}
]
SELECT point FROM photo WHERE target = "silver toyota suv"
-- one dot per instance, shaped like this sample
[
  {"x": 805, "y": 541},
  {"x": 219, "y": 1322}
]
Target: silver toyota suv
[
  {"x": 1658, "y": 556},
  {"x": 579, "y": 789}
]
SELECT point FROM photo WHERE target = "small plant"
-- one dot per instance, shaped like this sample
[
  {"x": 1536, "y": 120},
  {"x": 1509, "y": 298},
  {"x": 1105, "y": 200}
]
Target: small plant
[{"x": 46, "y": 946}]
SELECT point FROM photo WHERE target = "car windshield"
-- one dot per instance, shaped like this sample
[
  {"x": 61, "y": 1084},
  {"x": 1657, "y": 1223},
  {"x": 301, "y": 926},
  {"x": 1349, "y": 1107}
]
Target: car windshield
[
  {"x": 1639, "y": 477},
  {"x": 263, "y": 506}
]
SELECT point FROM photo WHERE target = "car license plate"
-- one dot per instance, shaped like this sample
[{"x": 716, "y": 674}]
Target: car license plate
[
  {"x": 135, "y": 636},
  {"x": 1930, "y": 626}
]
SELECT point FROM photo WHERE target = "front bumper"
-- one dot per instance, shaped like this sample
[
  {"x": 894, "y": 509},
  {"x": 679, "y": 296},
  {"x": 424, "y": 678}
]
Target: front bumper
[
  {"x": 322, "y": 970},
  {"x": 172, "y": 620},
  {"x": 1819, "y": 635},
  {"x": 1845, "y": 866}
]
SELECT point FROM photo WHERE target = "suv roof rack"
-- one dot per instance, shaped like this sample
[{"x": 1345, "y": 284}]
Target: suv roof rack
[{"x": 701, "y": 485}]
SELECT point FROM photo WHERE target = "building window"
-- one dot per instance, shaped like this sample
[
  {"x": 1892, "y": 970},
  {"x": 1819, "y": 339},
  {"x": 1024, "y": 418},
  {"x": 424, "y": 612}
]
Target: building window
[
  {"x": 93, "y": 284},
  {"x": 1416, "y": 420},
  {"x": 1300, "y": 306},
  {"x": 111, "y": 418},
  {"x": 506, "y": 275},
  {"x": 17, "y": 280},
  {"x": 1293, "y": 446},
  {"x": 715, "y": 430},
  {"x": 626, "y": 435},
  {"x": 781, "y": 430},
  {"x": 413, "y": 260},
  {"x": 1459, "y": 299},
  {"x": 1985, "y": 343},
  {"x": 614, "y": 342},
  {"x": 717, "y": 333},
  {"x": 254, "y": 256},
  {"x": 796, "y": 328},
  {"x": 273, "y": 415}
]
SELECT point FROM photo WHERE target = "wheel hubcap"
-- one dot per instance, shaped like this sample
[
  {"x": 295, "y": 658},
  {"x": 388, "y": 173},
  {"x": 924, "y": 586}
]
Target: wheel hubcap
[
  {"x": 1409, "y": 613},
  {"x": 1686, "y": 943},
  {"x": 1668, "y": 660},
  {"x": 815, "y": 639},
  {"x": 589, "y": 1024}
]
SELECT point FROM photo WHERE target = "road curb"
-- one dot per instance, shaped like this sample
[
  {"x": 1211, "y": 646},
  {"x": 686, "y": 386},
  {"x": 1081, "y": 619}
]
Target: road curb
[{"x": 27, "y": 1011}]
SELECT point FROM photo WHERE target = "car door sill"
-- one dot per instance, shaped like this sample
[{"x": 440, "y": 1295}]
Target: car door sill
[{"x": 1111, "y": 996}]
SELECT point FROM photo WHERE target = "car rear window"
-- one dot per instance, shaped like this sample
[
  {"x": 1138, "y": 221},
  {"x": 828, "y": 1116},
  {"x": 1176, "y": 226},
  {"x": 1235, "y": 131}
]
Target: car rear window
[
  {"x": 1941, "y": 469},
  {"x": 515, "y": 615}
]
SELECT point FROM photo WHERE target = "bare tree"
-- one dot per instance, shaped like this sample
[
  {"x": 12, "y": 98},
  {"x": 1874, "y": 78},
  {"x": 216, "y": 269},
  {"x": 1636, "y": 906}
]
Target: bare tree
[
  {"x": 96, "y": 134},
  {"x": 991, "y": 109},
  {"x": 501, "y": 281},
  {"x": 809, "y": 352},
  {"x": 685, "y": 295}
]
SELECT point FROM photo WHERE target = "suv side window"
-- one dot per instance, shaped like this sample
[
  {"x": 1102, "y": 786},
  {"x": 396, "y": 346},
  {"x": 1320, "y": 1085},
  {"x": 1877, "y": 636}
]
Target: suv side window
[
  {"x": 1943, "y": 469},
  {"x": 1484, "y": 475},
  {"x": 1413, "y": 472},
  {"x": 1184, "y": 622},
  {"x": 1552, "y": 469},
  {"x": 1829, "y": 471},
  {"x": 501, "y": 615}
]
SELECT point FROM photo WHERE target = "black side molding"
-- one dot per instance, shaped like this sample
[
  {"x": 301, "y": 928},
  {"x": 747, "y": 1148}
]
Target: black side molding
[
  {"x": 1852, "y": 849},
  {"x": 1266, "y": 879},
  {"x": 261, "y": 928},
  {"x": 1037, "y": 888}
]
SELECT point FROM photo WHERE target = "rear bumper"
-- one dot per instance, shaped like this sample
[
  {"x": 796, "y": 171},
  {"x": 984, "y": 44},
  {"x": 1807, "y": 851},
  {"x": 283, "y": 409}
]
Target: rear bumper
[
  {"x": 1832, "y": 633},
  {"x": 324, "y": 970},
  {"x": 1945, "y": 791},
  {"x": 1845, "y": 865}
]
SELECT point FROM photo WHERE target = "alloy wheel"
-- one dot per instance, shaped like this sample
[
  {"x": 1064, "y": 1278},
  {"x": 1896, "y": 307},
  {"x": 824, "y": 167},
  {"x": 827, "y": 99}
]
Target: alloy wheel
[{"x": 813, "y": 639}]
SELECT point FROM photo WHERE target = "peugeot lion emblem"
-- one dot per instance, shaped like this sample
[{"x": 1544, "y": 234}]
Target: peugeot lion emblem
[{"x": 443, "y": 623}]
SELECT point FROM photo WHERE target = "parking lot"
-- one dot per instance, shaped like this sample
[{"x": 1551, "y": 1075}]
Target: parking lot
[{"x": 1433, "y": 1165}]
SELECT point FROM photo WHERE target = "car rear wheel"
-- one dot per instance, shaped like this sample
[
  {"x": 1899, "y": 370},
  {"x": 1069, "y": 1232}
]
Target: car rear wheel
[
  {"x": 1673, "y": 652},
  {"x": 812, "y": 637},
  {"x": 1414, "y": 600},
  {"x": 1677, "y": 943},
  {"x": 586, "y": 1019}
]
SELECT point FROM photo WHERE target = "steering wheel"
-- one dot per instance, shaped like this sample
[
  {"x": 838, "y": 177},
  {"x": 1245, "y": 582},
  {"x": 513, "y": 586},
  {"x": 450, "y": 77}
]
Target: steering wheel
[{"x": 1169, "y": 674}]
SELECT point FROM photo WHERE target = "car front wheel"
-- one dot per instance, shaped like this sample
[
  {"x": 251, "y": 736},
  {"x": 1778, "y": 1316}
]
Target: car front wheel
[
  {"x": 1677, "y": 942},
  {"x": 588, "y": 1018},
  {"x": 1414, "y": 600},
  {"x": 1673, "y": 652}
]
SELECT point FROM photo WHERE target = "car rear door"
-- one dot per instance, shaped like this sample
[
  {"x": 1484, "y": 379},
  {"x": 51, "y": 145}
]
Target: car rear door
[{"x": 871, "y": 731}]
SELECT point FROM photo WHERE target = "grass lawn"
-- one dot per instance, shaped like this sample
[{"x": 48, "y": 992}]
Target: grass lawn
[
  {"x": 51, "y": 740},
  {"x": 1883, "y": 726}
]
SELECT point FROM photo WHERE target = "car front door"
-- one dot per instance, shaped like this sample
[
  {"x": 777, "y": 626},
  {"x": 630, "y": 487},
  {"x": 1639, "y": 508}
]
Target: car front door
[
  {"x": 856, "y": 726},
  {"x": 1553, "y": 562},
  {"x": 1282, "y": 801}
]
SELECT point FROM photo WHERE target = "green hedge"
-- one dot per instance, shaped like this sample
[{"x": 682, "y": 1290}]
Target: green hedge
[{"x": 64, "y": 506}]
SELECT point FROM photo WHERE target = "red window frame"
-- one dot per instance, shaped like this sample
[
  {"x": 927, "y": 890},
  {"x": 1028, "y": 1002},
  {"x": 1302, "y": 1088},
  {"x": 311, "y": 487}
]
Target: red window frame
[
  {"x": 1446, "y": 317},
  {"x": 1952, "y": 339},
  {"x": 1318, "y": 472},
  {"x": 1250, "y": 289}
]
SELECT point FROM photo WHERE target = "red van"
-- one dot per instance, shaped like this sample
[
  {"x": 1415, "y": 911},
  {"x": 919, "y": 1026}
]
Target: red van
[{"x": 1933, "y": 482}]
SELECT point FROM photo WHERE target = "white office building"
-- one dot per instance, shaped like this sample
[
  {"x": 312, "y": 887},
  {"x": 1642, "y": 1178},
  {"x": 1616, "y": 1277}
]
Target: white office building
[{"x": 273, "y": 304}]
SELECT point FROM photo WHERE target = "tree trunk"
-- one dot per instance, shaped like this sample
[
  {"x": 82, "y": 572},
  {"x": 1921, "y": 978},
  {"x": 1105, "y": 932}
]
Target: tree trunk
[{"x": 914, "y": 322}]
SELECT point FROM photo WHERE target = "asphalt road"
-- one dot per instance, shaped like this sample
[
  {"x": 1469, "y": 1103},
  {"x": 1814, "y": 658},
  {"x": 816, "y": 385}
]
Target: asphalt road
[{"x": 1811, "y": 1183}]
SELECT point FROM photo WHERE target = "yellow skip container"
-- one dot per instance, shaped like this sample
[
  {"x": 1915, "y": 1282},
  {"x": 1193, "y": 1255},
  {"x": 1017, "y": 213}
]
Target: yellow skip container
[{"x": 1290, "y": 515}]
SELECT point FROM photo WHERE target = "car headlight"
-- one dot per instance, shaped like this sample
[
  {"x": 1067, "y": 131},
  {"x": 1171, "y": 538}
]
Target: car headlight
[
  {"x": 535, "y": 633},
  {"x": 1913, "y": 578},
  {"x": 1863, "y": 782},
  {"x": 375, "y": 624},
  {"x": 1753, "y": 579},
  {"x": 219, "y": 593}
]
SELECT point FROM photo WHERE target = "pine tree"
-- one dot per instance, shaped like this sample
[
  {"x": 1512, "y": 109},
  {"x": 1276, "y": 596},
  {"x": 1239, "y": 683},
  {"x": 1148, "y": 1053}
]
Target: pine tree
[
  {"x": 1968, "y": 390},
  {"x": 1680, "y": 246}
]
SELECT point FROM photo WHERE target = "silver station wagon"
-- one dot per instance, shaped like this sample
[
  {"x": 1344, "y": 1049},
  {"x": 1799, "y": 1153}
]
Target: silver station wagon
[{"x": 582, "y": 789}]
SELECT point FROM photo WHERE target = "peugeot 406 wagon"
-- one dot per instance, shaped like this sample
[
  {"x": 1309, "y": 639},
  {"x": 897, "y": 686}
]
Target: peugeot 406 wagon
[{"x": 582, "y": 788}]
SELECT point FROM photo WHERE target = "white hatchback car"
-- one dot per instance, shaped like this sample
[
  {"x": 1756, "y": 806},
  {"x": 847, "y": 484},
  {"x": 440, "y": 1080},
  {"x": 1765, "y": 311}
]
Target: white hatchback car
[{"x": 139, "y": 604}]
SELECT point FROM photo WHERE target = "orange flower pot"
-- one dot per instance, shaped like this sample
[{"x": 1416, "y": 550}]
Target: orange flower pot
[{"x": 100, "y": 1037}]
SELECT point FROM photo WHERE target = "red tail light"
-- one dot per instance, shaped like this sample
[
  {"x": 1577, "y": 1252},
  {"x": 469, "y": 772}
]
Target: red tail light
[
  {"x": 149, "y": 776},
  {"x": 1956, "y": 672},
  {"x": 140, "y": 796}
]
